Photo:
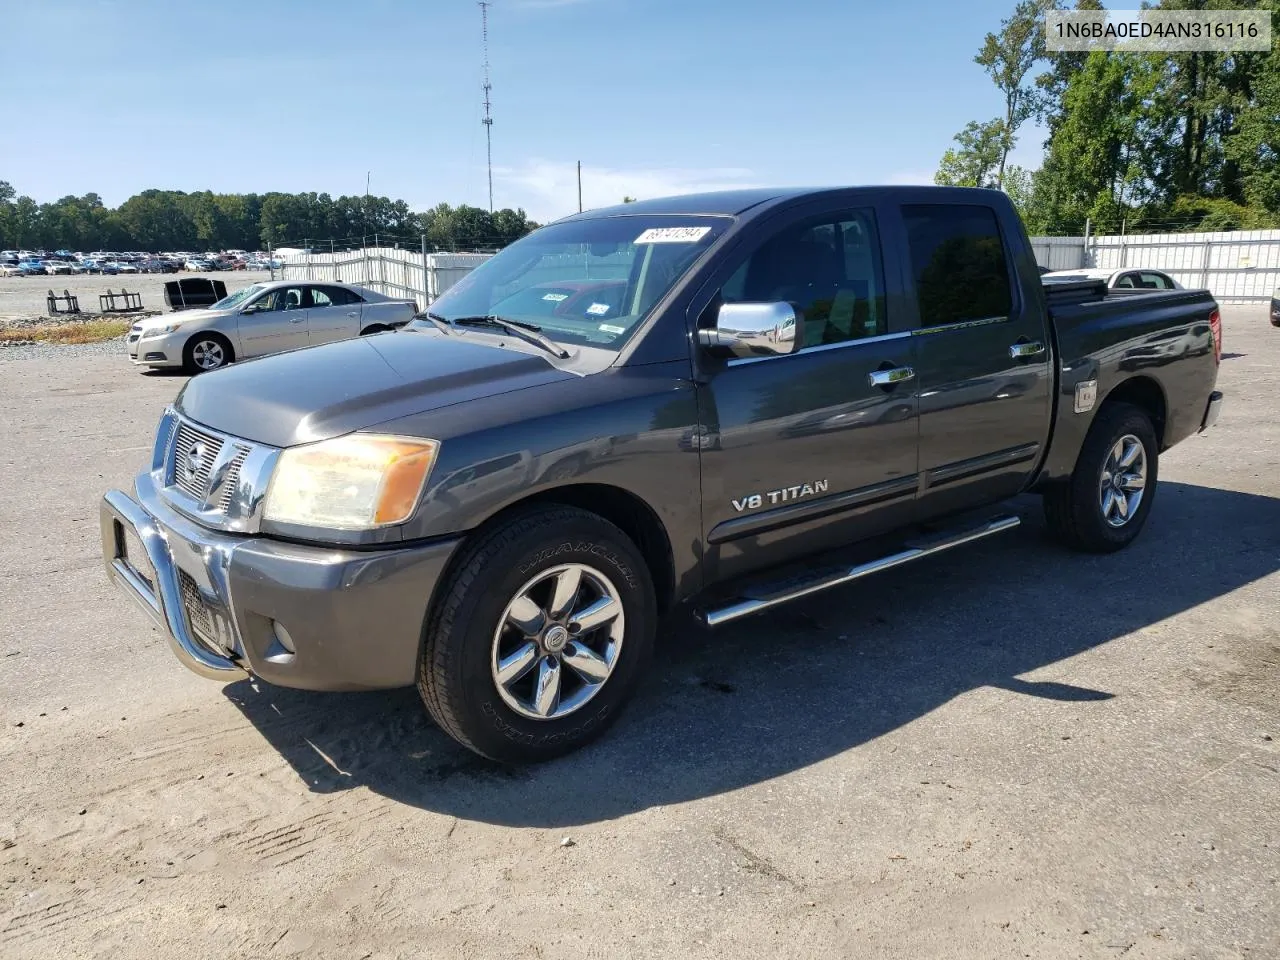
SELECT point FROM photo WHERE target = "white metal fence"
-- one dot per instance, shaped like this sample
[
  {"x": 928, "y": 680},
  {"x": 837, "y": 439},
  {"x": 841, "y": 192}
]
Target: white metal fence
[
  {"x": 387, "y": 270},
  {"x": 1241, "y": 266}
]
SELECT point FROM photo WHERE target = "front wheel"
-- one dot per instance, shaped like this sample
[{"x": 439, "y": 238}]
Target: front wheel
[
  {"x": 1104, "y": 505},
  {"x": 206, "y": 351},
  {"x": 539, "y": 637}
]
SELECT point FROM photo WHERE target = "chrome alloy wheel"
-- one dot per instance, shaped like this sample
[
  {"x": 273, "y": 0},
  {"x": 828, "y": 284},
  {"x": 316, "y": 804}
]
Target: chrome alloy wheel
[
  {"x": 557, "y": 641},
  {"x": 208, "y": 355},
  {"x": 1123, "y": 481}
]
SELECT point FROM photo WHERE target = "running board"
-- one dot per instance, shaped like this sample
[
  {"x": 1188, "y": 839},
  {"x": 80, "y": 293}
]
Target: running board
[{"x": 772, "y": 594}]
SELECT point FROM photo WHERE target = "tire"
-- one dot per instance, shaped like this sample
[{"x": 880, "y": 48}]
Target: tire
[
  {"x": 205, "y": 352},
  {"x": 468, "y": 632},
  {"x": 1084, "y": 513}
]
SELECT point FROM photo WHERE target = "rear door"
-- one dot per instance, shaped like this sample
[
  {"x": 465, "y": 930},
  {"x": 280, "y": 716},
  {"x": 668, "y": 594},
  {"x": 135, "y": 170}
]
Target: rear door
[
  {"x": 817, "y": 448},
  {"x": 278, "y": 322},
  {"x": 333, "y": 313},
  {"x": 982, "y": 359}
]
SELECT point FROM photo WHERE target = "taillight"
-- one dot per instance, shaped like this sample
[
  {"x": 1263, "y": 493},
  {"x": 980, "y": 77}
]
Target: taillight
[{"x": 1215, "y": 324}]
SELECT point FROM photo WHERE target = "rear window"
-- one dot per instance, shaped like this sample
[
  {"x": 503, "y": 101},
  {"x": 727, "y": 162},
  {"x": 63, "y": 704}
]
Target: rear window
[{"x": 958, "y": 262}]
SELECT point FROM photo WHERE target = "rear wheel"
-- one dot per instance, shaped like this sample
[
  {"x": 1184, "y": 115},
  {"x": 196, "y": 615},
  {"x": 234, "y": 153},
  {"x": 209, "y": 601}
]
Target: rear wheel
[
  {"x": 206, "y": 351},
  {"x": 1104, "y": 506},
  {"x": 539, "y": 636}
]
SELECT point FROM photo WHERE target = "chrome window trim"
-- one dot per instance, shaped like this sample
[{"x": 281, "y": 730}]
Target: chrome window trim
[
  {"x": 842, "y": 345},
  {"x": 962, "y": 325}
]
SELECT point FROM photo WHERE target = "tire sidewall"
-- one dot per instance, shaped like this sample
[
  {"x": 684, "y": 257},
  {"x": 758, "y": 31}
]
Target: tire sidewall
[
  {"x": 496, "y": 729},
  {"x": 189, "y": 352},
  {"x": 1126, "y": 420}
]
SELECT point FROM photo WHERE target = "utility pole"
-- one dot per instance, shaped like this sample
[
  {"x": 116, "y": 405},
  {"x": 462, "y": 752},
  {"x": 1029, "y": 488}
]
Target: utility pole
[
  {"x": 579, "y": 186},
  {"x": 488, "y": 118}
]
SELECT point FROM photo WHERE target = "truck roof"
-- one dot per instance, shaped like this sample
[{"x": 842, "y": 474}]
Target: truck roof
[{"x": 733, "y": 202}]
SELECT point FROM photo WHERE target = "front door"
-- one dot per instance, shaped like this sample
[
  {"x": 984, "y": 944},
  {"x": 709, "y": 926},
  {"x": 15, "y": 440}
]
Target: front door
[
  {"x": 816, "y": 448},
  {"x": 332, "y": 314},
  {"x": 278, "y": 321},
  {"x": 982, "y": 360}
]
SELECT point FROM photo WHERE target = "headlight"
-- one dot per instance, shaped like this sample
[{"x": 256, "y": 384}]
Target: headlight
[
  {"x": 164, "y": 328},
  {"x": 356, "y": 482}
]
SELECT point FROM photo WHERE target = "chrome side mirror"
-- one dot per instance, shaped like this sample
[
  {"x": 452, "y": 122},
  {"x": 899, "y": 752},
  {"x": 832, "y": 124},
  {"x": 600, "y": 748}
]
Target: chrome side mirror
[{"x": 755, "y": 330}]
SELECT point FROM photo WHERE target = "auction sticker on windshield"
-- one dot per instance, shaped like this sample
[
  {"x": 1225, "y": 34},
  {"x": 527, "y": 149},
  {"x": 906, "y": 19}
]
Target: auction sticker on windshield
[
  {"x": 598, "y": 309},
  {"x": 556, "y": 297},
  {"x": 673, "y": 235}
]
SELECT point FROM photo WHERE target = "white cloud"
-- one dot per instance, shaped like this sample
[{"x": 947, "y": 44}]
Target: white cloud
[{"x": 548, "y": 189}]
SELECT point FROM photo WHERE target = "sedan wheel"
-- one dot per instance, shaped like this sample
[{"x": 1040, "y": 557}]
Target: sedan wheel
[{"x": 204, "y": 353}]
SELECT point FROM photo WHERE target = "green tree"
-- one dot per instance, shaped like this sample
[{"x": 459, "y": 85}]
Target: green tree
[
  {"x": 975, "y": 160},
  {"x": 1008, "y": 57}
]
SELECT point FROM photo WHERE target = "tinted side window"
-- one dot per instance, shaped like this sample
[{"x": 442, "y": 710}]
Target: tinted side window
[
  {"x": 958, "y": 263},
  {"x": 341, "y": 296},
  {"x": 320, "y": 297},
  {"x": 1156, "y": 281},
  {"x": 831, "y": 271}
]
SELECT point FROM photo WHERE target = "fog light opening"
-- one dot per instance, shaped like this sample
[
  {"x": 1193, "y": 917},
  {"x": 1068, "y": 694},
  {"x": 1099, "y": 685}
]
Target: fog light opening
[
  {"x": 282, "y": 635},
  {"x": 282, "y": 648}
]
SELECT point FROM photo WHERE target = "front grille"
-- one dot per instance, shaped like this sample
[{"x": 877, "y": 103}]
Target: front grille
[
  {"x": 232, "y": 480},
  {"x": 194, "y": 454},
  {"x": 199, "y": 617}
]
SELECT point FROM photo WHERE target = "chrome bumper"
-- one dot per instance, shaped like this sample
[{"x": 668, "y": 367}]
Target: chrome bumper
[
  {"x": 161, "y": 598},
  {"x": 314, "y": 618},
  {"x": 1212, "y": 410}
]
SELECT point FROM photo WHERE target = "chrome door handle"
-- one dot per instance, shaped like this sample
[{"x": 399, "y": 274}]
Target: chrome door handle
[
  {"x": 353, "y": 313},
  {"x": 888, "y": 378},
  {"x": 296, "y": 319},
  {"x": 1023, "y": 351}
]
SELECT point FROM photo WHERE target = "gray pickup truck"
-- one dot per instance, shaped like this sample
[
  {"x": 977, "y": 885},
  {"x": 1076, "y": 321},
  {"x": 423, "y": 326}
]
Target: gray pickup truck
[{"x": 718, "y": 402}]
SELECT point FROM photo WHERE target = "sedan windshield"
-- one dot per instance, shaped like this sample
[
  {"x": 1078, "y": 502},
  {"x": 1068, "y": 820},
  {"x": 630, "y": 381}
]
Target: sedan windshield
[
  {"x": 237, "y": 298},
  {"x": 585, "y": 282}
]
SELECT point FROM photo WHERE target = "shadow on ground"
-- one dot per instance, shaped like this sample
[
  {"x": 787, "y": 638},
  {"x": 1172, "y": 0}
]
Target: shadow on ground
[{"x": 801, "y": 684}]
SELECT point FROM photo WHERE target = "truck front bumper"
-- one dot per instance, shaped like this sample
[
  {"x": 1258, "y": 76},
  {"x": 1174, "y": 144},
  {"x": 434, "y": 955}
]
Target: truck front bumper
[{"x": 315, "y": 618}]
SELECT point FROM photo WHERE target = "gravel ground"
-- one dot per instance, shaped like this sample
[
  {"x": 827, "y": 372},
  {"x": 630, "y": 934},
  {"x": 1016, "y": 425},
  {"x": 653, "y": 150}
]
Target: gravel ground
[
  {"x": 1009, "y": 751},
  {"x": 60, "y": 353}
]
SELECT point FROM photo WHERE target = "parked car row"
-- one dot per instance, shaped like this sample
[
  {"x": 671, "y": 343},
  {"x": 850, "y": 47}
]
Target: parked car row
[{"x": 25, "y": 263}]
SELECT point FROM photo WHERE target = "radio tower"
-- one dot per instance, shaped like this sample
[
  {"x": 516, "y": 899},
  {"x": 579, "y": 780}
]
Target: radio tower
[{"x": 488, "y": 120}]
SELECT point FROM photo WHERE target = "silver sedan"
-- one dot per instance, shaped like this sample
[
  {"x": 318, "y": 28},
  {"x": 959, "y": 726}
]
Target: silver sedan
[{"x": 261, "y": 319}]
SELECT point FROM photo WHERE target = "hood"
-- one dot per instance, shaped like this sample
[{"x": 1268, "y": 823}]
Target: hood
[
  {"x": 320, "y": 392},
  {"x": 191, "y": 316}
]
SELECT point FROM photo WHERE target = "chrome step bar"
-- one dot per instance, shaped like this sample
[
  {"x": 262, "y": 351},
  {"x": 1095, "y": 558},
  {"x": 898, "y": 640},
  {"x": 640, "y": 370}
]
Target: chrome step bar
[{"x": 793, "y": 590}]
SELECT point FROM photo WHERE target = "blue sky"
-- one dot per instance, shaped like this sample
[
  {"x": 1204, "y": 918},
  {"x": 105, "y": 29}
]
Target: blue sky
[{"x": 653, "y": 96}]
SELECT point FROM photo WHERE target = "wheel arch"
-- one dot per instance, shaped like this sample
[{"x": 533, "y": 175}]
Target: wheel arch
[
  {"x": 625, "y": 510},
  {"x": 210, "y": 334},
  {"x": 1146, "y": 394}
]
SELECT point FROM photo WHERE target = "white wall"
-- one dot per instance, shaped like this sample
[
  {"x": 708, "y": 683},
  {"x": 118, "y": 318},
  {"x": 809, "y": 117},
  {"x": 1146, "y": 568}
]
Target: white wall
[{"x": 387, "y": 270}]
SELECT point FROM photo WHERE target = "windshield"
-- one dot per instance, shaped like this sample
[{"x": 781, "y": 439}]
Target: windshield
[
  {"x": 237, "y": 298},
  {"x": 586, "y": 282}
]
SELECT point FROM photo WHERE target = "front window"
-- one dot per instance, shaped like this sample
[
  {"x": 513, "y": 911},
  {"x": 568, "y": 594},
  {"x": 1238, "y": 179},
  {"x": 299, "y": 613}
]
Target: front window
[
  {"x": 585, "y": 282},
  {"x": 237, "y": 298}
]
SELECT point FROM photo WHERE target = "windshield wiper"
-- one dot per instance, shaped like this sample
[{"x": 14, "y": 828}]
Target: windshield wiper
[
  {"x": 441, "y": 323},
  {"x": 517, "y": 328}
]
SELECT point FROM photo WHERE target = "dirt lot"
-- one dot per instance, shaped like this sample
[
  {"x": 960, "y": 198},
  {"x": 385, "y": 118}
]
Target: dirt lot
[
  {"x": 1009, "y": 751},
  {"x": 25, "y": 296}
]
